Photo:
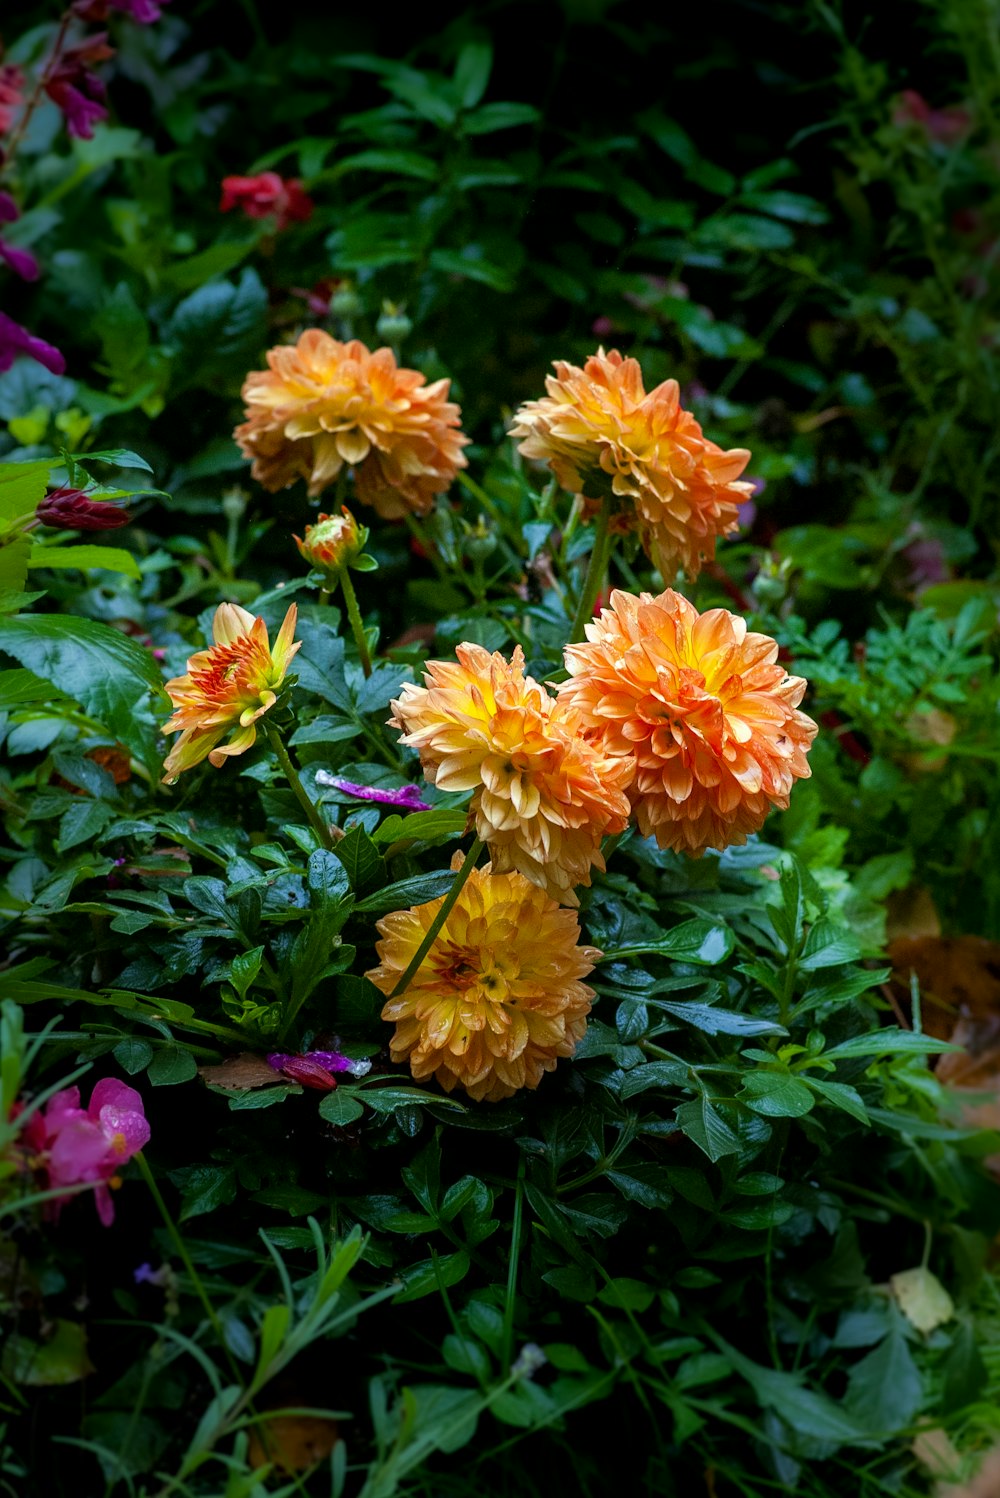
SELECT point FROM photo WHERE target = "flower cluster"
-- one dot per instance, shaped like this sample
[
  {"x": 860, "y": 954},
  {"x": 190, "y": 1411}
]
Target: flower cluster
[
  {"x": 606, "y": 439},
  {"x": 498, "y": 998},
  {"x": 66, "y": 1145},
  {"x": 544, "y": 794},
  {"x": 702, "y": 710},
  {"x": 267, "y": 196},
  {"x": 322, "y": 405},
  {"x": 78, "y": 91},
  {"x": 227, "y": 687}
]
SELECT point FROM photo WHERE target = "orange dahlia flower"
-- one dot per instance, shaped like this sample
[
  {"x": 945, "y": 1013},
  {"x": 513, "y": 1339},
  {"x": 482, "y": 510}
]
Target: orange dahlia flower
[
  {"x": 604, "y": 437},
  {"x": 544, "y": 796},
  {"x": 323, "y": 404},
  {"x": 704, "y": 709},
  {"x": 229, "y": 686},
  {"x": 498, "y": 998}
]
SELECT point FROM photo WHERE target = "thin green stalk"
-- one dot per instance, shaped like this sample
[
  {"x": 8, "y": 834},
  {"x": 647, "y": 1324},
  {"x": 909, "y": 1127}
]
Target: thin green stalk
[
  {"x": 354, "y": 615},
  {"x": 325, "y": 594},
  {"x": 185, "y": 1258},
  {"x": 316, "y": 821},
  {"x": 446, "y": 908},
  {"x": 595, "y": 572},
  {"x": 515, "y": 1253}
]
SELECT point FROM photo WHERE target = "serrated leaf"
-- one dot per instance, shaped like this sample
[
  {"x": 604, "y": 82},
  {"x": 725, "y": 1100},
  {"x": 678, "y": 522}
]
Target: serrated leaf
[
  {"x": 704, "y": 1126},
  {"x": 112, "y": 676}
]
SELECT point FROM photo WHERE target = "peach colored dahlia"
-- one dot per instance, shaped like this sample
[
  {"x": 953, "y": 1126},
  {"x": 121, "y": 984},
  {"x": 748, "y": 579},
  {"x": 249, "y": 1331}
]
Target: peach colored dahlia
[
  {"x": 323, "y": 404},
  {"x": 708, "y": 714},
  {"x": 227, "y": 687},
  {"x": 544, "y": 796},
  {"x": 603, "y": 436},
  {"x": 498, "y": 998}
]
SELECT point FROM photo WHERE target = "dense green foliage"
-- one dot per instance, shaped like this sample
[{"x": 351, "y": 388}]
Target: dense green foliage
[{"x": 678, "y": 1250}]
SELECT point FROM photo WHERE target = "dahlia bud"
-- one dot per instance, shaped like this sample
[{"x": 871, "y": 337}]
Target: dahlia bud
[
  {"x": 481, "y": 543},
  {"x": 234, "y": 502},
  {"x": 345, "y": 302},
  {"x": 393, "y": 324},
  {"x": 71, "y": 509},
  {"x": 333, "y": 543}
]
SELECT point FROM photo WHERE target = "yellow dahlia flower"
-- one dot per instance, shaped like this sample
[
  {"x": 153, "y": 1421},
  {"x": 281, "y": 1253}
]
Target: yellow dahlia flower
[
  {"x": 498, "y": 998},
  {"x": 323, "y": 404},
  {"x": 544, "y": 796},
  {"x": 704, "y": 709},
  {"x": 332, "y": 543},
  {"x": 603, "y": 437},
  {"x": 229, "y": 686}
]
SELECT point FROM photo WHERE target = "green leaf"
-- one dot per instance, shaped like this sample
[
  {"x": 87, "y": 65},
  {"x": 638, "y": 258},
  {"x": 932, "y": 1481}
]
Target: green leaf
[
  {"x": 719, "y": 1021},
  {"x": 109, "y": 558},
  {"x": 705, "y": 1127},
  {"x": 218, "y": 329},
  {"x": 341, "y": 1109},
  {"x": 398, "y": 163},
  {"x": 133, "y": 1055},
  {"x": 82, "y": 823},
  {"x": 328, "y": 879},
  {"x": 828, "y": 945},
  {"x": 472, "y": 72},
  {"x": 203, "y": 1188},
  {"x": 776, "y": 1096},
  {"x": 888, "y": 1042},
  {"x": 502, "y": 115},
  {"x": 407, "y": 892},
  {"x": 699, "y": 941},
  {"x": 171, "y": 1066},
  {"x": 388, "y": 1099},
  {"x": 112, "y": 676},
  {"x": 425, "y": 1278},
  {"x": 885, "y": 1390},
  {"x": 22, "y": 488},
  {"x": 361, "y": 859},
  {"x": 846, "y": 1098}
]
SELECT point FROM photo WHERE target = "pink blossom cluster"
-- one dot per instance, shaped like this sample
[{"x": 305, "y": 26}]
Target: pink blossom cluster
[{"x": 65, "y": 1146}]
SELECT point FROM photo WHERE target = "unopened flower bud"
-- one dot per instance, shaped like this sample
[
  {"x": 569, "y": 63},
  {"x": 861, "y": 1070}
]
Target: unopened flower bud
[
  {"x": 528, "y": 1361},
  {"x": 234, "y": 502},
  {"x": 71, "y": 509},
  {"x": 333, "y": 543},
  {"x": 345, "y": 302},
  {"x": 393, "y": 324},
  {"x": 480, "y": 543}
]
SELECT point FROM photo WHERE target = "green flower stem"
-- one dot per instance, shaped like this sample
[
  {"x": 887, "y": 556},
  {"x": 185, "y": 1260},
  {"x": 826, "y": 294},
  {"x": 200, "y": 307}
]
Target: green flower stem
[
  {"x": 354, "y": 615},
  {"x": 315, "y": 819},
  {"x": 185, "y": 1258},
  {"x": 324, "y": 597},
  {"x": 595, "y": 573},
  {"x": 427, "y": 546},
  {"x": 446, "y": 908}
]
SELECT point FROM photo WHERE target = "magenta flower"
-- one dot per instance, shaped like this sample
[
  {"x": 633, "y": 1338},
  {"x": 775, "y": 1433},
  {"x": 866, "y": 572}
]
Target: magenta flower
[
  {"x": 317, "y": 1069},
  {"x": 407, "y": 796},
  {"x": 22, "y": 262},
  {"x": 71, "y": 509},
  {"x": 16, "y": 340},
  {"x": 142, "y": 12},
  {"x": 74, "y": 1146},
  {"x": 11, "y": 91}
]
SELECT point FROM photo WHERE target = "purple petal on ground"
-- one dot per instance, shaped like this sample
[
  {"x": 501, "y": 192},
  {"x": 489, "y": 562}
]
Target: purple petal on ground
[
  {"x": 407, "y": 796},
  {"x": 21, "y": 262},
  {"x": 16, "y": 340}
]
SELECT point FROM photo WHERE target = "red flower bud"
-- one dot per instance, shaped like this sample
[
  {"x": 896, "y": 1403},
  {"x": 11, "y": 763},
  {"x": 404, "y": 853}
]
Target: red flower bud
[
  {"x": 71, "y": 509},
  {"x": 309, "y": 1073}
]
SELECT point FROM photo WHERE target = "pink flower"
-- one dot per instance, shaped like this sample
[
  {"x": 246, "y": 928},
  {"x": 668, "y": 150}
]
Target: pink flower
[
  {"x": 11, "y": 87},
  {"x": 16, "y": 340},
  {"x": 947, "y": 126},
  {"x": 20, "y": 261},
  {"x": 76, "y": 89},
  {"x": 267, "y": 195},
  {"x": 142, "y": 12},
  {"x": 73, "y": 1146}
]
